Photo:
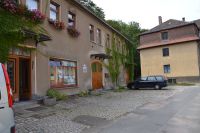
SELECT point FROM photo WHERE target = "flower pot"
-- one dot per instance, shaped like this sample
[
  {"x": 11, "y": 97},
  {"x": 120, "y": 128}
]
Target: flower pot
[{"x": 49, "y": 101}]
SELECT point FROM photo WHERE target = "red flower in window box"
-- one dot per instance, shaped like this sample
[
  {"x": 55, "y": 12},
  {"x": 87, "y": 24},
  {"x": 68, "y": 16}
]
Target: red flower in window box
[
  {"x": 37, "y": 16},
  {"x": 9, "y": 5},
  {"x": 57, "y": 24},
  {"x": 73, "y": 32}
]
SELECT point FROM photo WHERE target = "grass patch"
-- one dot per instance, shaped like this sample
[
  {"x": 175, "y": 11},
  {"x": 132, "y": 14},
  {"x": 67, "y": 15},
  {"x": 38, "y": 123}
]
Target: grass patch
[
  {"x": 184, "y": 84},
  {"x": 120, "y": 89},
  {"x": 53, "y": 93}
]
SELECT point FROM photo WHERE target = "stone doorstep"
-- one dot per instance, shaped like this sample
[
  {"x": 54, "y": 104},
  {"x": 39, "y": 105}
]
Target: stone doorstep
[{"x": 26, "y": 104}]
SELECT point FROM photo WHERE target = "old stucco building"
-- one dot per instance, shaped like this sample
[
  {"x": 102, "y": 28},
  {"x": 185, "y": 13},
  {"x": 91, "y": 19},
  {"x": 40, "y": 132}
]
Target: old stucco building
[
  {"x": 69, "y": 63},
  {"x": 172, "y": 49}
]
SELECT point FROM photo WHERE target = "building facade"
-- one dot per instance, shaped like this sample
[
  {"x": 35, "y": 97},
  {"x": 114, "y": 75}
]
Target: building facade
[
  {"x": 172, "y": 49},
  {"x": 73, "y": 60}
]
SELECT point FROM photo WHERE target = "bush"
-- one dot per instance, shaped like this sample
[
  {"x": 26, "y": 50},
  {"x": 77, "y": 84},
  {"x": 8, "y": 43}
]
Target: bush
[
  {"x": 120, "y": 89},
  {"x": 52, "y": 93},
  {"x": 83, "y": 93}
]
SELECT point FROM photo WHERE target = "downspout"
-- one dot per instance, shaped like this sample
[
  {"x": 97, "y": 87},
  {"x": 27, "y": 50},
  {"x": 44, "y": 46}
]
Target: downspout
[{"x": 35, "y": 65}]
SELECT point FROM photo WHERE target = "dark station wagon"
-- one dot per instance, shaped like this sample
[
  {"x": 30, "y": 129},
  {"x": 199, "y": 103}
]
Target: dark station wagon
[{"x": 157, "y": 82}]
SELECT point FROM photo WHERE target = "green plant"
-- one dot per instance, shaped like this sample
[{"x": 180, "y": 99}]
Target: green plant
[
  {"x": 114, "y": 63},
  {"x": 184, "y": 84},
  {"x": 83, "y": 93},
  {"x": 120, "y": 89},
  {"x": 14, "y": 19},
  {"x": 52, "y": 93}
]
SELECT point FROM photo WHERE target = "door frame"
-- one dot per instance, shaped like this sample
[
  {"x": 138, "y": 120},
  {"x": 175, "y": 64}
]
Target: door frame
[{"x": 17, "y": 58}]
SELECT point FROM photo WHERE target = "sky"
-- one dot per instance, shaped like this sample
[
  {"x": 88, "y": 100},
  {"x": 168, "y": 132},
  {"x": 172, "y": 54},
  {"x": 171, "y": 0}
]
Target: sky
[{"x": 146, "y": 12}]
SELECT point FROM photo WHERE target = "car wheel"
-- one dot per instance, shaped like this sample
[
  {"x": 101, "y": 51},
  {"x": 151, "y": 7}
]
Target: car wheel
[{"x": 157, "y": 87}]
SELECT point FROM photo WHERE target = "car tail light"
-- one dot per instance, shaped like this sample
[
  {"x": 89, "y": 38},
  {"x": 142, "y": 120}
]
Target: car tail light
[{"x": 10, "y": 101}]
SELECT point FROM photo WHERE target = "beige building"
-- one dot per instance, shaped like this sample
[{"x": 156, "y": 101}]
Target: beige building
[
  {"x": 172, "y": 49},
  {"x": 72, "y": 60}
]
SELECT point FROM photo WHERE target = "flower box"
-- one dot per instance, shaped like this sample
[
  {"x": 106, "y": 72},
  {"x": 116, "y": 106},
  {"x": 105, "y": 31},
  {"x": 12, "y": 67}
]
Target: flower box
[
  {"x": 73, "y": 32},
  {"x": 57, "y": 24}
]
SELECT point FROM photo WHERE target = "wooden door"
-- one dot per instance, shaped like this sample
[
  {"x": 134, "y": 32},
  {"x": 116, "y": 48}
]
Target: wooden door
[
  {"x": 97, "y": 82},
  {"x": 24, "y": 79}
]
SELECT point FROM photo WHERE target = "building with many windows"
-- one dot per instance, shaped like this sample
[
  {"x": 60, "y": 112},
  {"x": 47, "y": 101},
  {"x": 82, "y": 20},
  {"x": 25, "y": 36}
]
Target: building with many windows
[
  {"x": 172, "y": 49},
  {"x": 72, "y": 61}
]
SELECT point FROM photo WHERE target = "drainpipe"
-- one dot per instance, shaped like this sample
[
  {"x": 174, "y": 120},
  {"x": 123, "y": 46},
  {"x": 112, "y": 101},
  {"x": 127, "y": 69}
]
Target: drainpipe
[{"x": 35, "y": 65}]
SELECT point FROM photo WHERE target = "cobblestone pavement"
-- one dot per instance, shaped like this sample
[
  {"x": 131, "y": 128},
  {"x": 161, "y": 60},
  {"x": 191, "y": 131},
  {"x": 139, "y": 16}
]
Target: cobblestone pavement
[{"x": 111, "y": 105}]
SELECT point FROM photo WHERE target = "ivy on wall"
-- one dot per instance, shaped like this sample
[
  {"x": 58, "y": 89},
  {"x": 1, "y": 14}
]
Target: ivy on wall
[{"x": 13, "y": 19}]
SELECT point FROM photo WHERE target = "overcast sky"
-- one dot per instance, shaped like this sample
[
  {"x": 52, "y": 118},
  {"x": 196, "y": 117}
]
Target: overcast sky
[{"x": 146, "y": 12}]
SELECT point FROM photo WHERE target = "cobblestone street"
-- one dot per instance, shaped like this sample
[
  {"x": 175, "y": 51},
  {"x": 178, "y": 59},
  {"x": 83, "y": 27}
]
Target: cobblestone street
[{"x": 109, "y": 106}]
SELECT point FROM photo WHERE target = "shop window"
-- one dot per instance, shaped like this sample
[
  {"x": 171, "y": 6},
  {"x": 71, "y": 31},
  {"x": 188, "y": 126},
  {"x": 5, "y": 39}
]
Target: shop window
[
  {"x": 54, "y": 11},
  {"x": 32, "y": 4},
  {"x": 63, "y": 73}
]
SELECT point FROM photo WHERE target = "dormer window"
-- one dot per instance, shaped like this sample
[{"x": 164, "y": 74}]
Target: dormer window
[{"x": 164, "y": 35}]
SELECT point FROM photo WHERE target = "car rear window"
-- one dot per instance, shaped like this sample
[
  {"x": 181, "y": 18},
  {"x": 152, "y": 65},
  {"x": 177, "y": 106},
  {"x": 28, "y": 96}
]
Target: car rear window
[{"x": 159, "y": 78}]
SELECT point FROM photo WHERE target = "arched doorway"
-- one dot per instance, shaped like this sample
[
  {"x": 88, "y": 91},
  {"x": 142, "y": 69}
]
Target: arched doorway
[{"x": 97, "y": 77}]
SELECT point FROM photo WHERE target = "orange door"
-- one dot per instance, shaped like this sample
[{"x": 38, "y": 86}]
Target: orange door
[{"x": 97, "y": 75}]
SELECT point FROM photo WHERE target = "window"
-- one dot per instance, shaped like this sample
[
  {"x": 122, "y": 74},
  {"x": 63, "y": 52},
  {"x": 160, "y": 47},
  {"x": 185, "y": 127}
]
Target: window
[
  {"x": 151, "y": 78},
  {"x": 54, "y": 11},
  {"x": 143, "y": 78},
  {"x": 164, "y": 35},
  {"x": 98, "y": 36},
  {"x": 167, "y": 69},
  {"x": 159, "y": 78},
  {"x": 108, "y": 41},
  {"x": 32, "y": 4},
  {"x": 63, "y": 73},
  {"x": 91, "y": 27},
  {"x": 71, "y": 20},
  {"x": 165, "y": 51}
]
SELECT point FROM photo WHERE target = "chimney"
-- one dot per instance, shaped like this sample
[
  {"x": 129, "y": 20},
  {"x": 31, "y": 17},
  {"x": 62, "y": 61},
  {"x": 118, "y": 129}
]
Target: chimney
[
  {"x": 183, "y": 19},
  {"x": 160, "y": 20}
]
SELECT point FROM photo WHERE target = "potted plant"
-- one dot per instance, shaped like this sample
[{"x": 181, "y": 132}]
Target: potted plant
[
  {"x": 73, "y": 32},
  {"x": 57, "y": 24}
]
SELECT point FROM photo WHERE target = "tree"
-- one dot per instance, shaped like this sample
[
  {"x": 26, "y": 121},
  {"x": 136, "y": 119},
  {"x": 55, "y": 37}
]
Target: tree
[
  {"x": 90, "y": 5},
  {"x": 131, "y": 31}
]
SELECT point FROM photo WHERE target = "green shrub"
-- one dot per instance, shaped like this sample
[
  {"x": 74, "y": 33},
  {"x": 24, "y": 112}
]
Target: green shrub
[
  {"x": 52, "y": 93},
  {"x": 184, "y": 84},
  {"x": 83, "y": 93},
  {"x": 120, "y": 89}
]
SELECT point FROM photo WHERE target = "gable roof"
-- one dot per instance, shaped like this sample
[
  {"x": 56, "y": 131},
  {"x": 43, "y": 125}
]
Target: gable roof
[
  {"x": 171, "y": 23},
  {"x": 78, "y": 4}
]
